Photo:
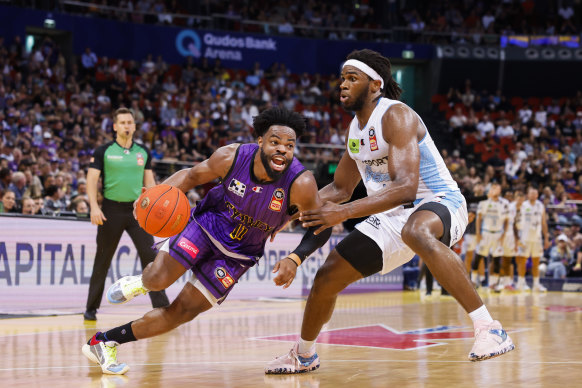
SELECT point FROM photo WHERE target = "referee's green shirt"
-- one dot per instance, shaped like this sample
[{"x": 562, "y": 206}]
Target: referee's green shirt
[{"x": 122, "y": 170}]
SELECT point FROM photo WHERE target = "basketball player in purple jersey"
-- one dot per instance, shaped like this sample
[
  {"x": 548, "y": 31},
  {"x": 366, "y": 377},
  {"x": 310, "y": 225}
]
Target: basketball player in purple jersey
[
  {"x": 413, "y": 207},
  {"x": 261, "y": 186}
]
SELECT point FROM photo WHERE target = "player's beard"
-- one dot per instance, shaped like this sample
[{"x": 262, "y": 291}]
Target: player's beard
[
  {"x": 272, "y": 174},
  {"x": 358, "y": 102}
]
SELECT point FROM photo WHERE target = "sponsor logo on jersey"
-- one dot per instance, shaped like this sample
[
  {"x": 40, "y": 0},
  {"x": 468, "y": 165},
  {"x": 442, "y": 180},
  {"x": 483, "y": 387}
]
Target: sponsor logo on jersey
[
  {"x": 354, "y": 146},
  {"x": 277, "y": 200},
  {"x": 374, "y": 221},
  {"x": 375, "y": 176},
  {"x": 376, "y": 162},
  {"x": 223, "y": 277},
  {"x": 237, "y": 187},
  {"x": 140, "y": 160},
  {"x": 189, "y": 247},
  {"x": 115, "y": 157},
  {"x": 257, "y": 189},
  {"x": 373, "y": 141},
  {"x": 362, "y": 142},
  {"x": 247, "y": 220}
]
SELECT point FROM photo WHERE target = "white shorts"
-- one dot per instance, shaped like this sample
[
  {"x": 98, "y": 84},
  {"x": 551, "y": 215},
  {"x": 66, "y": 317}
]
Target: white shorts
[
  {"x": 530, "y": 249},
  {"x": 490, "y": 244},
  {"x": 509, "y": 245},
  {"x": 469, "y": 243},
  {"x": 385, "y": 229},
  {"x": 193, "y": 280}
]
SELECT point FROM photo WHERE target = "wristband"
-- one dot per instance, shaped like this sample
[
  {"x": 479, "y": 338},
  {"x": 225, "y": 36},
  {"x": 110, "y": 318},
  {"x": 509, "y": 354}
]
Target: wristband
[{"x": 294, "y": 258}]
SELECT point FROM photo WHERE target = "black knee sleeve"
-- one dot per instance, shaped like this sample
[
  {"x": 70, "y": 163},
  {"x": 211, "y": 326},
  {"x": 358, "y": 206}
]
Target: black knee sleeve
[{"x": 476, "y": 261}]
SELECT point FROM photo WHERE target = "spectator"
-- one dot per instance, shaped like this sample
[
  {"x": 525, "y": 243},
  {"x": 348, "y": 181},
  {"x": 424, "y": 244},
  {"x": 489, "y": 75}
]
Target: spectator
[
  {"x": 89, "y": 62},
  {"x": 27, "y": 206},
  {"x": 8, "y": 203},
  {"x": 18, "y": 185},
  {"x": 560, "y": 258},
  {"x": 53, "y": 203}
]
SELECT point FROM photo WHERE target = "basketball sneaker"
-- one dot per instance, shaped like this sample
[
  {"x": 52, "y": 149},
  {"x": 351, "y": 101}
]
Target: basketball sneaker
[
  {"x": 293, "y": 362},
  {"x": 540, "y": 288},
  {"x": 104, "y": 354},
  {"x": 490, "y": 341},
  {"x": 125, "y": 289}
]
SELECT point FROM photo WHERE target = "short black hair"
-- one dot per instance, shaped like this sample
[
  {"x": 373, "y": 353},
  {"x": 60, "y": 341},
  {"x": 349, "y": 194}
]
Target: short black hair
[
  {"x": 382, "y": 66},
  {"x": 278, "y": 116}
]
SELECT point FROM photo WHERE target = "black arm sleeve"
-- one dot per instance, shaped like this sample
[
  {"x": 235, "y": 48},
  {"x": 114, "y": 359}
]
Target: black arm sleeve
[{"x": 310, "y": 242}]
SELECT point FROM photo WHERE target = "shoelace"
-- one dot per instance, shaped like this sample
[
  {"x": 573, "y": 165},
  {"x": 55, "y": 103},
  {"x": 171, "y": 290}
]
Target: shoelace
[{"x": 134, "y": 285}]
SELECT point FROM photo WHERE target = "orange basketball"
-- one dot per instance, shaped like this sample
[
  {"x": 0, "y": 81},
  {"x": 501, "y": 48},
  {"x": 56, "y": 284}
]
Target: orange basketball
[{"x": 163, "y": 210}]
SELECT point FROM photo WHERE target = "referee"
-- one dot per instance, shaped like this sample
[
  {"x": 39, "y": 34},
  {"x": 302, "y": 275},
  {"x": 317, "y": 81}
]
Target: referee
[{"x": 126, "y": 168}]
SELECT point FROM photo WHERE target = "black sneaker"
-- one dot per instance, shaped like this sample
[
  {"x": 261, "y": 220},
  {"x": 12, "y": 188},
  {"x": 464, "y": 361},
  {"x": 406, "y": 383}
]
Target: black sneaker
[{"x": 90, "y": 315}]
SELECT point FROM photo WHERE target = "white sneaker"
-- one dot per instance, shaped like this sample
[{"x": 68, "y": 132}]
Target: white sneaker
[
  {"x": 293, "y": 362},
  {"x": 522, "y": 287},
  {"x": 104, "y": 354},
  {"x": 540, "y": 288},
  {"x": 125, "y": 289},
  {"x": 490, "y": 341}
]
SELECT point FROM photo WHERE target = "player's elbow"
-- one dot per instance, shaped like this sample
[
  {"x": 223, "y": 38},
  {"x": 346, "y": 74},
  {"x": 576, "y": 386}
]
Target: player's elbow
[{"x": 409, "y": 190}]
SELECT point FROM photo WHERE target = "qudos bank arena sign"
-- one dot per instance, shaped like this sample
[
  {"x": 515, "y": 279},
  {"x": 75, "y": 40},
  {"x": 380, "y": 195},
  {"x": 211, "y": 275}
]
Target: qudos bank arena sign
[{"x": 223, "y": 46}]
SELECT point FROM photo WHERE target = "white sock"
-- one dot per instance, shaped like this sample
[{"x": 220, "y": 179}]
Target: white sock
[
  {"x": 521, "y": 280},
  {"x": 536, "y": 282},
  {"x": 474, "y": 277},
  {"x": 305, "y": 346},
  {"x": 481, "y": 314}
]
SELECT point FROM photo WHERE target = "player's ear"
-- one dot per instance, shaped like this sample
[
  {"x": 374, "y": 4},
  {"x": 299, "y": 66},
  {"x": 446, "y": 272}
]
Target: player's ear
[
  {"x": 375, "y": 85},
  {"x": 260, "y": 141}
]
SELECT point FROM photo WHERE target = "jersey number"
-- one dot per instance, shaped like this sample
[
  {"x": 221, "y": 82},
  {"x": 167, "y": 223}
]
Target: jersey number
[{"x": 239, "y": 232}]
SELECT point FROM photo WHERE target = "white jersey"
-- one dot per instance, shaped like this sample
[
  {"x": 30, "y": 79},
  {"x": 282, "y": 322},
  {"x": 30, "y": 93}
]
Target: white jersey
[
  {"x": 368, "y": 148},
  {"x": 530, "y": 221},
  {"x": 511, "y": 215},
  {"x": 493, "y": 214}
]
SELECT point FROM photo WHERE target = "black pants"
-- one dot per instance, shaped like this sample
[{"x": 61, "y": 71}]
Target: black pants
[{"x": 119, "y": 218}]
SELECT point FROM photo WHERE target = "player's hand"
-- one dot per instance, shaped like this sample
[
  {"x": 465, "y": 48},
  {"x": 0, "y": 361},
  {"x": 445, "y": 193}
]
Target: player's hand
[
  {"x": 547, "y": 244},
  {"x": 143, "y": 189},
  {"x": 287, "y": 270},
  {"x": 327, "y": 216},
  {"x": 97, "y": 216}
]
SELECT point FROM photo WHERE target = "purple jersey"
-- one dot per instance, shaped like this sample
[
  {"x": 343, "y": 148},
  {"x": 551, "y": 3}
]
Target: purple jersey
[{"x": 240, "y": 212}]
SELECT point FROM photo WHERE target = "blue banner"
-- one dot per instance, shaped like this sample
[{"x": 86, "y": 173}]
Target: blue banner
[{"x": 128, "y": 41}]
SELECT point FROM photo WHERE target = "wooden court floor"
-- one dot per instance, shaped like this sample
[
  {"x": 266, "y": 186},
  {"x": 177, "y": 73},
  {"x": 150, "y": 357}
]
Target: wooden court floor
[{"x": 390, "y": 339}]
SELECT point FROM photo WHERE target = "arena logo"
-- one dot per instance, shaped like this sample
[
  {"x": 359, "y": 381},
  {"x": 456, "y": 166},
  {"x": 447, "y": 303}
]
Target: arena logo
[{"x": 221, "y": 46}]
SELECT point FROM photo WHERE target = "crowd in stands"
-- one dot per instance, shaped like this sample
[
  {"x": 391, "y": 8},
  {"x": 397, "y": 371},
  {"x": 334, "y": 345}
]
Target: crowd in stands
[
  {"x": 54, "y": 113},
  {"x": 520, "y": 142},
  {"x": 471, "y": 21}
]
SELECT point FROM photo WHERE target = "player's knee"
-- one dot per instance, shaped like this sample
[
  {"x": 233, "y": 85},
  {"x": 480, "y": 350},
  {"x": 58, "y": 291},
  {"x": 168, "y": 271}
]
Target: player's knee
[
  {"x": 154, "y": 281},
  {"x": 415, "y": 235},
  {"x": 328, "y": 280}
]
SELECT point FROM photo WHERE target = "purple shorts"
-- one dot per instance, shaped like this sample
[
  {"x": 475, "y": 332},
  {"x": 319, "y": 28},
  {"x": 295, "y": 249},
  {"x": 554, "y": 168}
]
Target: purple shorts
[{"x": 216, "y": 271}]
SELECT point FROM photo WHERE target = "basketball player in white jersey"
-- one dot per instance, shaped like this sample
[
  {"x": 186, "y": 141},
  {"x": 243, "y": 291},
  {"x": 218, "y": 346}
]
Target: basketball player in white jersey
[
  {"x": 469, "y": 240},
  {"x": 491, "y": 226},
  {"x": 532, "y": 224},
  {"x": 413, "y": 206},
  {"x": 510, "y": 242}
]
